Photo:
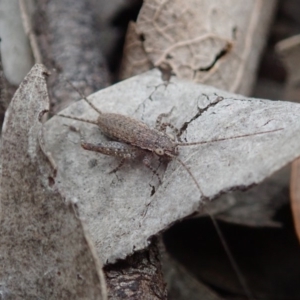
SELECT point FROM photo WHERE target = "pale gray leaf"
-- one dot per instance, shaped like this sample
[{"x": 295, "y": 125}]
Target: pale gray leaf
[{"x": 123, "y": 210}]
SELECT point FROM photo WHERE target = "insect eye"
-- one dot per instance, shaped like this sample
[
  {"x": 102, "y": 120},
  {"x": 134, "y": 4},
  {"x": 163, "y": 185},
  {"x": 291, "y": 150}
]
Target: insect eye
[{"x": 159, "y": 151}]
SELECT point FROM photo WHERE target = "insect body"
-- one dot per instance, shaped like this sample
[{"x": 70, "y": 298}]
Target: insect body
[
  {"x": 134, "y": 139},
  {"x": 137, "y": 133}
]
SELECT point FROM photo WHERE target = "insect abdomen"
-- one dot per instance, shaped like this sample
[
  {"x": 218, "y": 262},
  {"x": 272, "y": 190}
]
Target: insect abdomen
[{"x": 128, "y": 130}]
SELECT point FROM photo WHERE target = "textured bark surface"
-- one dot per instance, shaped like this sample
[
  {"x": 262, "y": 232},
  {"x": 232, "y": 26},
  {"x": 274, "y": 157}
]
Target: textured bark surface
[
  {"x": 45, "y": 252},
  {"x": 137, "y": 277},
  {"x": 130, "y": 205},
  {"x": 212, "y": 42}
]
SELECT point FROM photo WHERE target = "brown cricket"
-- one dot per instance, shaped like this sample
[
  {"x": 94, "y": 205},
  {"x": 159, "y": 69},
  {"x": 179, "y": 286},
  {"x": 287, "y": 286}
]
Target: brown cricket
[{"x": 134, "y": 139}]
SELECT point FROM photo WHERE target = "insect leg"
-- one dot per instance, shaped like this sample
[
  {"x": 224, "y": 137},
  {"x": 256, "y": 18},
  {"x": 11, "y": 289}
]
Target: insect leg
[
  {"x": 147, "y": 162},
  {"x": 160, "y": 117},
  {"x": 82, "y": 96},
  {"x": 117, "y": 149},
  {"x": 162, "y": 126},
  {"x": 119, "y": 166}
]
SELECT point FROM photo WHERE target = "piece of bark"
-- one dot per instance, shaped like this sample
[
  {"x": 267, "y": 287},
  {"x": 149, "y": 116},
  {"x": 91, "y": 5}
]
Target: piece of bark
[
  {"x": 213, "y": 42},
  {"x": 67, "y": 36},
  {"x": 137, "y": 277},
  {"x": 131, "y": 205},
  {"x": 44, "y": 250}
]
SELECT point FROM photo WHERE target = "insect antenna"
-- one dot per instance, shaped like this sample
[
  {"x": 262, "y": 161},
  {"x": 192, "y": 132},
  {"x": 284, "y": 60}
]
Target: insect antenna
[
  {"x": 86, "y": 100},
  {"x": 239, "y": 274},
  {"x": 233, "y": 262},
  {"x": 189, "y": 171},
  {"x": 82, "y": 96},
  {"x": 228, "y": 138},
  {"x": 77, "y": 119}
]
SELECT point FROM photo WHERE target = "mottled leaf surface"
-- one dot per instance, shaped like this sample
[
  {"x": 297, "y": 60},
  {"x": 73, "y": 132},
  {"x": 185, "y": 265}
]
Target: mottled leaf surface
[{"x": 44, "y": 251}]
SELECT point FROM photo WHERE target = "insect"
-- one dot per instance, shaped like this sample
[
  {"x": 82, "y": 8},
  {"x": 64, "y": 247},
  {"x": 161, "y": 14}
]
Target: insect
[{"x": 133, "y": 139}]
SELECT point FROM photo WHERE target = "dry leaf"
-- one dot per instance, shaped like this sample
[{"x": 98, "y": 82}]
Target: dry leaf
[
  {"x": 123, "y": 210},
  {"x": 44, "y": 251},
  {"x": 213, "y": 42},
  {"x": 135, "y": 59}
]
